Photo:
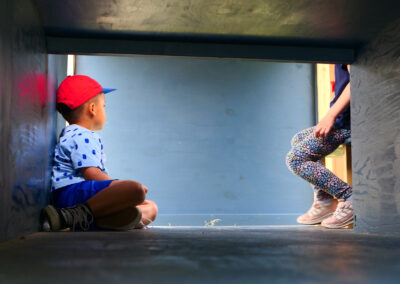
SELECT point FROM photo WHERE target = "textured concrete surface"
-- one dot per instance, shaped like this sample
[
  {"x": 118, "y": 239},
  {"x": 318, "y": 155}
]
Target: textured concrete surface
[
  {"x": 26, "y": 118},
  {"x": 294, "y": 30},
  {"x": 302, "y": 21},
  {"x": 375, "y": 107},
  {"x": 203, "y": 255}
]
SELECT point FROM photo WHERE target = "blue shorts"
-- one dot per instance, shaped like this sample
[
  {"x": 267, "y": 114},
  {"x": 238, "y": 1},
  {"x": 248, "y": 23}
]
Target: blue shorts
[{"x": 78, "y": 193}]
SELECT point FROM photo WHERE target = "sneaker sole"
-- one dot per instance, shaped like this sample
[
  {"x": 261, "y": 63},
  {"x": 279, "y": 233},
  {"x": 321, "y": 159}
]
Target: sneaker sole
[
  {"x": 53, "y": 218},
  {"x": 316, "y": 221},
  {"x": 44, "y": 221},
  {"x": 339, "y": 226}
]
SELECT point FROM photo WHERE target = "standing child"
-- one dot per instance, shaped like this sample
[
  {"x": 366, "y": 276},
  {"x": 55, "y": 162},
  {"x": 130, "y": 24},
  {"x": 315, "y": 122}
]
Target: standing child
[
  {"x": 311, "y": 145},
  {"x": 84, "y": 195}
]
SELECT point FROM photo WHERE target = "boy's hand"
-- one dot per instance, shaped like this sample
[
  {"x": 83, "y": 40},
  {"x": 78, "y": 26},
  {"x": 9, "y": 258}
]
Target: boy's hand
[{"x": 324, "y": 126}]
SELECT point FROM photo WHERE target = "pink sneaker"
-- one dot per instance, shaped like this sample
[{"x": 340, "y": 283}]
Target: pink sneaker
[
  {"x": 317, "y": 213},
  {"x": 342, "y": 217}
]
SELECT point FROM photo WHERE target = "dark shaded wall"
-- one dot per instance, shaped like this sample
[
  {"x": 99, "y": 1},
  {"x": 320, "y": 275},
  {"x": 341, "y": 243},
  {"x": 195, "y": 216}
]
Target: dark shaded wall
[
  {"x": 375, "y": 106},
  {"x": 26, "y": 118}
]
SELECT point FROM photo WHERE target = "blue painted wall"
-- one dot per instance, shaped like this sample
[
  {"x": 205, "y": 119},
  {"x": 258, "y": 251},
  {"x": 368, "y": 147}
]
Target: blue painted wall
[{"x": 208, "y": 137}]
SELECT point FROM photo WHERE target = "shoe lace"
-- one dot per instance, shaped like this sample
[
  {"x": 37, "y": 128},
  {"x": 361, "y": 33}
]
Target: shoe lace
[
  {"x": 149, "y": 225},
  {"x": 316, "y": 208},
  {"x": 79, "y": 215},
  {"x": 341, "y": 207}
]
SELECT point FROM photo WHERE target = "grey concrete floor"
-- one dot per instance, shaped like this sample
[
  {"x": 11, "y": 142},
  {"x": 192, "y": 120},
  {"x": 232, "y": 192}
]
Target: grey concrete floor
[{"x": 259, "y": 254}]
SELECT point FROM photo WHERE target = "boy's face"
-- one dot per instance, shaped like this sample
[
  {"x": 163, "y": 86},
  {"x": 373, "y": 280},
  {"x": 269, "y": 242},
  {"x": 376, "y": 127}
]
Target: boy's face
[{"x": 100, "y": 117}]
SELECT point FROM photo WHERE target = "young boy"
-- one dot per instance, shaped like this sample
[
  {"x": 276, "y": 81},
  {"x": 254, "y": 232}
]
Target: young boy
[{"x": 84, "y": 195}]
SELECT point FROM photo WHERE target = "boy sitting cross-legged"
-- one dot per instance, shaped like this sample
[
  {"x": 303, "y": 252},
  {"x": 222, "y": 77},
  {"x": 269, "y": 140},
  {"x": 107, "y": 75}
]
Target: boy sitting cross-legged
[{"x": 84, "y": 195}]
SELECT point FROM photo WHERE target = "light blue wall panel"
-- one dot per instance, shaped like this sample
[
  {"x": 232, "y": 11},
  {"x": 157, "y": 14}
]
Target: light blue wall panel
[{"x": 208, "y": 137}]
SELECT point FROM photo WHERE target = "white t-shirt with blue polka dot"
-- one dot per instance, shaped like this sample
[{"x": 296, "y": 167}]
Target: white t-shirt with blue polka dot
[{"x": 77, "y": 148}]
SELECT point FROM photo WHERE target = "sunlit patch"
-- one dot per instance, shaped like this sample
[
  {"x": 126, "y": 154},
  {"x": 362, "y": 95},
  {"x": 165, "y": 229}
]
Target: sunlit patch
[{"x": 212, "y": 222}]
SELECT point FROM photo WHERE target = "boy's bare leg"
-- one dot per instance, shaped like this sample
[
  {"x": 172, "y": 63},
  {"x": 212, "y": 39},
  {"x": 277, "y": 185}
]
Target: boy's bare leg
[
  {"x": 118, "y": 196},
  {"x": 149, "y": 213},
  {"x": 119, "y": 219}
]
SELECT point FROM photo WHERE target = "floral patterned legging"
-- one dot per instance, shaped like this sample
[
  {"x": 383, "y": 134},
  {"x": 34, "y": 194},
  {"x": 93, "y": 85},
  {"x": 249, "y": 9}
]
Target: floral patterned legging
[{"x": 304, "y": 160}]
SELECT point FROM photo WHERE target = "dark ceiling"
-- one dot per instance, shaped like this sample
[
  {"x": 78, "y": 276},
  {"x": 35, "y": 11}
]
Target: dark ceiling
[{"x": 266, "y": 29}]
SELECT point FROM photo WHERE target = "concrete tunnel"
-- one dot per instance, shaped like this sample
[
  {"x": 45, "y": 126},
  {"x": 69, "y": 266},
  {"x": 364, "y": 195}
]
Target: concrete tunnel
[{"x": 209, "y": 95}]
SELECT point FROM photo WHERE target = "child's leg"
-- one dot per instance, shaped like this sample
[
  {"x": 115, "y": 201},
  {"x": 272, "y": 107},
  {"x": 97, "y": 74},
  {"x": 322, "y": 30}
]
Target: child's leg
[
  {"x": 149, "y": 213},
  {"x": 117, "y": 202},
  {"x": 300, "y": 136},
  {"x": 303, "y": 161},
  {"x": 119, "y": 219},
  {"x": 118, "y": 196},
  {"x": 320, "y": 194}
]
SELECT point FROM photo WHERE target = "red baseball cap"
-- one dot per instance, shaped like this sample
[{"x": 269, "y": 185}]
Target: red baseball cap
[{"x": 78, "y": 89}]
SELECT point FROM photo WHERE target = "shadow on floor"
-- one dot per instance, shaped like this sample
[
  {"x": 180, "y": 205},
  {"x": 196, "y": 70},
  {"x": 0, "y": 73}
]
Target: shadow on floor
[{"x": 262, "y": 254}]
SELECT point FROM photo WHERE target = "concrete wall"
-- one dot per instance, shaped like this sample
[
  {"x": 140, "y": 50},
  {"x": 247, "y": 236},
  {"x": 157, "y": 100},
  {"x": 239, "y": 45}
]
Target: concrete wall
[
  {"x": 208, "y": 137},
  {"x": 375, "y": 107},
  {"x": 26, "y": 118}
]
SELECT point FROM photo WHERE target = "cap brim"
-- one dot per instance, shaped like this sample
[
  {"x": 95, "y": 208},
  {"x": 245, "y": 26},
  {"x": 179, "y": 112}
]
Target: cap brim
[{"x": 108, "y": 90}]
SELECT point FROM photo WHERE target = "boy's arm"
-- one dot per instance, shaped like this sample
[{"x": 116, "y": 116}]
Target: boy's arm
[{"x": 92, "y": 173}]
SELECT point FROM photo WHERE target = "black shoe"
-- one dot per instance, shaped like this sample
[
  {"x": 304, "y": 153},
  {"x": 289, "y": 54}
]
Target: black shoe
[
  {"x": 77, "y": 216},
  {"x": 51, "y": 219}
]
